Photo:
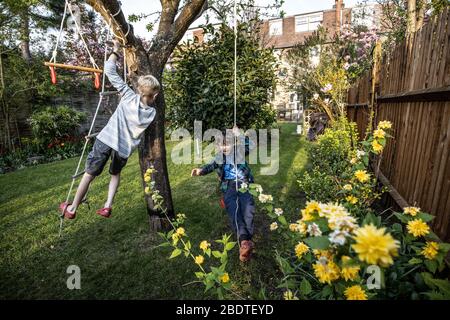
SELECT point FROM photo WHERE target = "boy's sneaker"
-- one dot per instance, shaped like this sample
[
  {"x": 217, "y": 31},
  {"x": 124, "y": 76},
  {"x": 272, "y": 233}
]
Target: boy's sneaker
[
  {"x": 246, "y": 249},
  {"x": 63, "y": 208},
  {"x": 104, "y": 212}
]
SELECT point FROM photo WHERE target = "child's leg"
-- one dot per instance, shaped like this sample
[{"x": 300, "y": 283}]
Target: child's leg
[
  {"x": 247, "y": 211},
  {"x": 113, "y": 185},
  {"x": 236, "y": 219},
  {"x": 81, "y": 191}
]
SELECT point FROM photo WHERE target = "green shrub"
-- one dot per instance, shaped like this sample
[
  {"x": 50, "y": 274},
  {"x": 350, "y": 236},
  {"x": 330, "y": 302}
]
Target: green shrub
[{"x": 55, "y": 123}]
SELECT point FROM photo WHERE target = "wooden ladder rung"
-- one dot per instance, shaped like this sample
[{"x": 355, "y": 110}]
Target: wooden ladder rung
[
  {"x": 92, "y": 135},
  {"x": 70, "y": 67},
  {"x": 109, "y": 93},
  {"x": 78, "y": 175}
]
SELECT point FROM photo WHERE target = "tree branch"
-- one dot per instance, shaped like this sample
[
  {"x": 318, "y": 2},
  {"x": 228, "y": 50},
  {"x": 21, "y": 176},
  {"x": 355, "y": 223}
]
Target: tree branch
[
  {"x": 190, "y": 13},
  {"x": 119, "y": 24}
]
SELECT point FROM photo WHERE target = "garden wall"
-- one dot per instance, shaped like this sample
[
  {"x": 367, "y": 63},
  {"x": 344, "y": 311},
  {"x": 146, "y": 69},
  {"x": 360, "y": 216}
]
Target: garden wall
[{"x": 411, "y": 88}]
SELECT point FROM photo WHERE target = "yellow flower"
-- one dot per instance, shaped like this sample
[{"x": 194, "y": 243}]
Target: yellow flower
[
  {"x": 385, "y": 125},
  {"x": 293, "y": 227},
  {"x": 175, "y": 237},
  {"x": 379, "y": 133},
  {"x": 374, "y": 246},
  {"x": 353, "y": 160},
  {"x": 225, "y": 278},
  {"x": 307, "y": 216},
  {"x": 351, "y": 199},
  {"x": 273, "y": 226},
  {"x": 312, "y": 206},
  {"x": 180, "y": 231},
  {"x": 147, "y": 178},
  {"x": 348, "y": 187},
  {"x": 326, "y": 272},
  {"x": 147, "y": 190},
  {"x": 412, "y": 211},
  {"x": 289, "y": 295},
  {"x": 199, "y": 260},
  {"x": 362, "y": 175},
  {"x": 418, "y": 228},
  {"x": 377, "y": 147},
  {"x": 301, "y": 249},
  {"x": 355, "y": 293},
  {"x": 204, "y": 245},
  {"x": 431, "y": 250},
  {"x": 349, "y": 272}
]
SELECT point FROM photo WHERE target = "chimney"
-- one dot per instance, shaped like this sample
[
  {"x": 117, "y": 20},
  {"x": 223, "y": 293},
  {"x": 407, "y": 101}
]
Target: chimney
[{"x": 338, "y": 6}]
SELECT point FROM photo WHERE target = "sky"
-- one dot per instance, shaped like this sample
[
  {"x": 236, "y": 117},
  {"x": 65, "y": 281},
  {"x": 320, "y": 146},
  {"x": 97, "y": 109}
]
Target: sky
[{"x": 291, "y": 7}]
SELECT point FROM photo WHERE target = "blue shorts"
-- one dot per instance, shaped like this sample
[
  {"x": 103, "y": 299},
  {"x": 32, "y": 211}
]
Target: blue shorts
[{"x": 98, "y": 157}]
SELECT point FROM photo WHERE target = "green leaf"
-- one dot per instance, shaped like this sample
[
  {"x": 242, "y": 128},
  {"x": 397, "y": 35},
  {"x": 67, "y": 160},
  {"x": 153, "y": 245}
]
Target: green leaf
[
  {"x": 415, "y": 261},
  {"x": 175, "y": 253},
  {"x": 199, "y": 275},
  {"x": 402, "y": 217},
  {"x": 320, "y": 243},
  {"x": 431, "y": 265},
  {"x": 230, "y": 246},
  {"x": 305, "y": 287},
  {"x": 282, "y": 220},
  {"x": 425, "y": 216},
  {"x": 217, "y": 254}
]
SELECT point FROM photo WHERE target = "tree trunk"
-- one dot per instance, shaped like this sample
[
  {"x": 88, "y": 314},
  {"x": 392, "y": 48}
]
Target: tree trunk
[
  {"x": 25, "y": 36},
  {"x": 172, "y": 26},
  {"x": 411, "y": 17}
]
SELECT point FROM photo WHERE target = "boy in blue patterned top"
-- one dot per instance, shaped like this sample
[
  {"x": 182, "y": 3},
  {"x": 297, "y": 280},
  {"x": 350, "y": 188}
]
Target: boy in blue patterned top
[{"x": 240, "y": 206}]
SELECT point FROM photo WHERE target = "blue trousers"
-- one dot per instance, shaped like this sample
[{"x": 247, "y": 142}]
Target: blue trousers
[{"x": 241, "y": 220}]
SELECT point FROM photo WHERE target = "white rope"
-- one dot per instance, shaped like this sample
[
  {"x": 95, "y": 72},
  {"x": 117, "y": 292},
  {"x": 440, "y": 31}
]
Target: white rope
[
  {"x": 89, "y": 133},
  {"x": 91, "y": 58},
  {"x": 55, "y": 50},
  {"x": 235, "y": 136}
]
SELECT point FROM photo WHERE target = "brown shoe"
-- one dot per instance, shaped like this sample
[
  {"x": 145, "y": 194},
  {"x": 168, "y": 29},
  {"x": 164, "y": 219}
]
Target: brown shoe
[{"x": 246, "y": 249}]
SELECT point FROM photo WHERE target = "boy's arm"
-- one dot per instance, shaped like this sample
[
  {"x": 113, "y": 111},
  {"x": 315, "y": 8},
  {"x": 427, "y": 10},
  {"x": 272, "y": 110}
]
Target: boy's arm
[
  {"x": 110, "y": 70},
  {"x": 206, "y": 169}
]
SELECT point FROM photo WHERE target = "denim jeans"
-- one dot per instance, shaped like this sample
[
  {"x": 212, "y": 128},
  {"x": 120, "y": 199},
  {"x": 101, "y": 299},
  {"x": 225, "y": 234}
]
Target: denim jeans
[{"x": 241, "y": 220}]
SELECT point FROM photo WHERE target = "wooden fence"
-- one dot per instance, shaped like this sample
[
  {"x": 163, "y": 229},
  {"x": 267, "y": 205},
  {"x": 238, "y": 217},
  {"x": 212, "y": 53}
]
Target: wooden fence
[{"x": 411, "y": 88}]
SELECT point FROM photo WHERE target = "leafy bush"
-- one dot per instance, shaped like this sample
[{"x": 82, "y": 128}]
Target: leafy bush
[
  {"x": 201, "y": 86},
  {"x": 55, "y": 123}
]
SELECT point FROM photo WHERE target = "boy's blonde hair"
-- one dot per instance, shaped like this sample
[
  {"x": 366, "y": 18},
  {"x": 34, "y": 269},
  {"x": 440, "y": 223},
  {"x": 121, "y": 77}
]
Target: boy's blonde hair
[{"x": 148, "y": 82}]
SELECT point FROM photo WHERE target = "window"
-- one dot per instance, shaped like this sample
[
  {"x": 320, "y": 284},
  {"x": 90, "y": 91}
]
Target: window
[
  {"x": 276, "y": 27},
  {"x": 308, "y": 22},
  {"x": 188, "y": 36}
]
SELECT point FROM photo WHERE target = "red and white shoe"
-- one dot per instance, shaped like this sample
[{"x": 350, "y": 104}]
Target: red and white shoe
[
  {"x": 104, "y": 212},
  {"x": 63, "y": 208}
]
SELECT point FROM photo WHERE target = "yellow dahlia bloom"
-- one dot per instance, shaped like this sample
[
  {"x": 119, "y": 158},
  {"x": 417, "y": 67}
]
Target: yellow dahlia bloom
[
  {"x": 323, "y": 254},
  {"x": 348, "y": 187},
  {"x": 307, "y": 216},
  {"x": 385, "y": 124},
  {"x": 362, "y": 175},
  {"x": 412, "y": 211},
  {"x": 147, "y": 178},
  {"x": 312, "y": 206},
  {"x": 376, "y": 146},
  {"x": 204, "y": 245},
  {"x": 147, "y": 190},
  {"x": 225, "y": 278},
  {"x": 379, "y": 133},
  {"x": 199, "y": 260},
  {"x": 374, "y": 246},
  {"x": 430, "y": 250},
  {"x": 301, "y": 249},
  {"x": 351, "y": 199},
  {"x": 355, "y": 293},
  {"x": 326, "y": 272},
  {"x": 418, "y": 228},
  {"x": 349, "y": 272}
]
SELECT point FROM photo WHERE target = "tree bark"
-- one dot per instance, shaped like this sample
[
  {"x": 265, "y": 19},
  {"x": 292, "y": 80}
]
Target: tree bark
[
  {"x": 173, "y": 24},
  {"x": 411, "y": 17},
  {"x": 25, "y": 36}
]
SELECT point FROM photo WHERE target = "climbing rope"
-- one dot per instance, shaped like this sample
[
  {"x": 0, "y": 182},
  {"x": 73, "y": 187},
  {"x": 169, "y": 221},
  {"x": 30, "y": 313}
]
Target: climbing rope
[{"x": 100, "y": 101}]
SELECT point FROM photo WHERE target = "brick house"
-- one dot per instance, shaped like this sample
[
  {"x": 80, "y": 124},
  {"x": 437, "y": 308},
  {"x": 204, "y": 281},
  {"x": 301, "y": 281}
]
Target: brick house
[{"x": 283, "y": 33}]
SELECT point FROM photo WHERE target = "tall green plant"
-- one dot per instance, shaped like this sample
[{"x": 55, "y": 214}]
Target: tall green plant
[{"x": 201, "y": 86}]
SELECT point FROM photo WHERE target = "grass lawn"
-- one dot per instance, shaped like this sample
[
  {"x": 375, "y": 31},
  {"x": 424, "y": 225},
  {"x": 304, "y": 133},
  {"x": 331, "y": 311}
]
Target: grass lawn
[{"x": 118, "y": 257}]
